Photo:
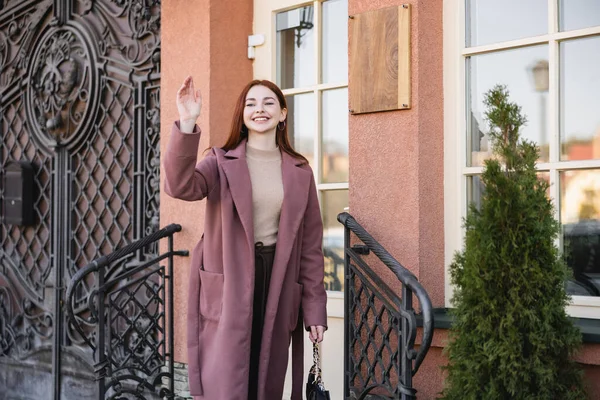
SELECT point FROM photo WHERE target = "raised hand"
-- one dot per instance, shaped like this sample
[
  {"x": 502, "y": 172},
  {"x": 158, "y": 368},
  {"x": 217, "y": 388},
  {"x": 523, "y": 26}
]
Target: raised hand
[{"x": 189, "y": 102}]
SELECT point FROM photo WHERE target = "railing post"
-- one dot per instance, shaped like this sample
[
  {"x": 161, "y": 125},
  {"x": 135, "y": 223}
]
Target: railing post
[
  {"x": 406, "y": 367},
  {"x": 100, "y": 335},
  {"x": 346, "y": 313},
  {"x": 171, "y": 324},
  {"x": 119, "y": 368},
  {"x": 407, "y": 360}
]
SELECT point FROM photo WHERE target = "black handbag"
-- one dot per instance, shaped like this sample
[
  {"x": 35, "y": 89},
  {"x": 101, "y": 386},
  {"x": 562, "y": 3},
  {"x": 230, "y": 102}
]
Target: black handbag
[{"x": 315, "y": 390}]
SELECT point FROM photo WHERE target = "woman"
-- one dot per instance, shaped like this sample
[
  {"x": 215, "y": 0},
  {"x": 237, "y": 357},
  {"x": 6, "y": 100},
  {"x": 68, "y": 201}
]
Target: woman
[{"x": 258, "y": 270}]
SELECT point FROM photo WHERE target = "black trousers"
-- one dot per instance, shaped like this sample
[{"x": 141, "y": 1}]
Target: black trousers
[{"x": 263, "y": 266}]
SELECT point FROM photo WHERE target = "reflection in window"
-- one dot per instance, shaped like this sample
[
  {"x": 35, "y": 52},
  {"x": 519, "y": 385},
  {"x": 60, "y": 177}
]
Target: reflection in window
[
  {"x": 580, "y": 217},
  {"x": 301, "y": 124},
  {"x": 475, "y": 190},
  {"x": 580, "y": 99},
  {"x": 295, "y": 48},
  {"x": 335, "y": 41},
  {"x": 525, "y": 74},
  {"x": 578, "y": 14},
  {"x": 493, "y": 21},
  {"x": 335, "y": 136},
  {"x": 333, "y": 202}
]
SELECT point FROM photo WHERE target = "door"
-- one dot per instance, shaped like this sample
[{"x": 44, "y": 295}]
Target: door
[
  {"x": 306, "y": 53},
  {"x": 79, "y": 101}
]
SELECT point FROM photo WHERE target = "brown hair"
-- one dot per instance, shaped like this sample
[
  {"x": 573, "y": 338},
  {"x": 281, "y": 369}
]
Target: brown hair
[{"x": 239, "y": 131}]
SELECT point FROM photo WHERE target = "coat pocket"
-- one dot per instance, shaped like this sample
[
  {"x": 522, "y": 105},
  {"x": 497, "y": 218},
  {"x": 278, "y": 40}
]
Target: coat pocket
[
  {"x": 211, "y": 295},
  {"x": 296, "y": 301}
]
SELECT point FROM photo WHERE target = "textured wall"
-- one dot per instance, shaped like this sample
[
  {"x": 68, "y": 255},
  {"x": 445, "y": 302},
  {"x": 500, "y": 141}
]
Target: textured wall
[
  {"x": 208, "y": 40},
  {"x": 396, "y": 173},
  {"x": 33, "y": 380},
  {"x": 429, "y": 381}
]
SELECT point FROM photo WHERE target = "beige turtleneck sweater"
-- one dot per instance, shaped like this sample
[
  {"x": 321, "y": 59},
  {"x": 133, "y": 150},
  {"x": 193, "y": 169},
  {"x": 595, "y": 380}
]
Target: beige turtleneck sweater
[{"x": 267, "y": 192}]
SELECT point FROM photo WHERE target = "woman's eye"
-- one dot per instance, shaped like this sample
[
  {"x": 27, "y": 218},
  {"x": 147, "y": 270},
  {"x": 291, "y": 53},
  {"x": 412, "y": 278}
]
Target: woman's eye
[
  {"x": 249, "y": 105},
  {"x": 269, "y": 104}
]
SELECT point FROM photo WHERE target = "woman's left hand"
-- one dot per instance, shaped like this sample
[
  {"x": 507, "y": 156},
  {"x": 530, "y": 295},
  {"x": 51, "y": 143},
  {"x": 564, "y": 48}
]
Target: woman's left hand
[{"x": 316, "y": 333}]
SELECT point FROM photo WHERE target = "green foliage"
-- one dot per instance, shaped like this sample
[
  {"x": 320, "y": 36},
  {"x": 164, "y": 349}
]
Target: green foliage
[{"x": 511, "y": 337}]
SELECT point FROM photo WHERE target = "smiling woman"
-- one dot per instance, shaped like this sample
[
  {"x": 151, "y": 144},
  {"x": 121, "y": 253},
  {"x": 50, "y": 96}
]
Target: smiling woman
[
  {"x": 262, "y": 112},
  {"x": 260, "y": 117},
  {"x": 260, "y": 260}
]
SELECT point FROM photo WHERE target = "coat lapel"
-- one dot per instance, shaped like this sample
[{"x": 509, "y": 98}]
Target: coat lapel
[
  {"x": 296, "y": 184},
  {"x": 240, "y": 186}
]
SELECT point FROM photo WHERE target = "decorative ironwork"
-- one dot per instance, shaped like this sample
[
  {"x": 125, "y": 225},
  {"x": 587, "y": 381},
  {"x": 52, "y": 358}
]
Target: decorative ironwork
[
  {"x": 80, "y": 99},
  {"x": 21, "y": 325},
  {"x": 133, "y": 324},
  {"x": 61, "y": 91},
  {"x": 152, "y": 163},
  {"x": 380, "y": 327},
  {"x": 25, "y": 254},
  {"x": 135, "y": 40},
  {"x": 17, "y": 35}
]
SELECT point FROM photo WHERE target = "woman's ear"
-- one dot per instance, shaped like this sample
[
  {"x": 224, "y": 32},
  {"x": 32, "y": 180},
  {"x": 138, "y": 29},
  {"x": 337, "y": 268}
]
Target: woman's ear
[{"x": 283, "y": 114}]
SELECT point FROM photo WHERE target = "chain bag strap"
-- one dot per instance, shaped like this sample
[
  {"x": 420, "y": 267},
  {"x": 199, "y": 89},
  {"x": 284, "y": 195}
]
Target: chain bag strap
[
  {"x": 316, "y": 368},
  {"x": 315, "y": 389}
]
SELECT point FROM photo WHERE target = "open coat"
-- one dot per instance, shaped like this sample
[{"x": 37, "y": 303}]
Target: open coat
[{"x": 221, "y": 285}]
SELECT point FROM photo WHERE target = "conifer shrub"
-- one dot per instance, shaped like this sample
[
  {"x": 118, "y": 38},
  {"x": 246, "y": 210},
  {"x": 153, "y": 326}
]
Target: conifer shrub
[{"x": 511, "y": 337}]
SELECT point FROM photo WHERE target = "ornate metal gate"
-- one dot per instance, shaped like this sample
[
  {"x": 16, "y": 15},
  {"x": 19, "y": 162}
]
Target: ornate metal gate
[{"x": 79, "y": 99}]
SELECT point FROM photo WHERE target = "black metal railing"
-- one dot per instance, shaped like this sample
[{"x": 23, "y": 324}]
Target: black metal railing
[
  {"x": 130, "y": 310},
  {"x": 380, "y": 327}
]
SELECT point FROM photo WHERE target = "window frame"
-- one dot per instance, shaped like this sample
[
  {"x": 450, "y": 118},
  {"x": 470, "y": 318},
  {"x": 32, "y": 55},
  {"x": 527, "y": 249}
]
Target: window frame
[
  {"x": 317, "y": 89},
  {"x": 456, "y": 171}
]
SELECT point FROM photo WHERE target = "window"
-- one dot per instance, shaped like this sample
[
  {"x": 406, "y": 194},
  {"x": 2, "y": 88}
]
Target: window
[
  {"x": 312, "y": 69},
  {"x": 547, "y": 52}
]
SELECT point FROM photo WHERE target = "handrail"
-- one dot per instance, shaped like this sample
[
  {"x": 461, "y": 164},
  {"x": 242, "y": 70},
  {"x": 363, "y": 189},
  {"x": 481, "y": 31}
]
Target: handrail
[
  {"x": 104, "y": 261},
  {"x": 410, "y": 284},
  {"x": 118, "y": 284}
]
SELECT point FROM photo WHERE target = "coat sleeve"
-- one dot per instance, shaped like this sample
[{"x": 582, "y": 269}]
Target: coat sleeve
[
  {"x": 312, "y": 272},
  {"x": 184, "y": 179},
  {"x": 193, "y": 329}
]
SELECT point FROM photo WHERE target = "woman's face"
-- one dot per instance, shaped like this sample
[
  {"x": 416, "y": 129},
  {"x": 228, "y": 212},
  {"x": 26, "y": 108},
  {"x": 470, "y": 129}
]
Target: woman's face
[{"x": 262, "y": 111}]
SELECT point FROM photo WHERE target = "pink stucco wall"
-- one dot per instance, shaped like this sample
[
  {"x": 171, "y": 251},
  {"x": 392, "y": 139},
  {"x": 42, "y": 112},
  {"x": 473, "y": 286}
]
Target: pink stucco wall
[
  {"x": 205, "y": 39},
  {"x": 396, "y": 158},
  {"x": 397, "y": 181},
  {"x": 429, "y": 381},
  {"x": 396, "y": 172}
]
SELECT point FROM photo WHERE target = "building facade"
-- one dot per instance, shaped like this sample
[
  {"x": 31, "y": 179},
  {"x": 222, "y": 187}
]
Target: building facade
[{"x": 405, "y": 175}]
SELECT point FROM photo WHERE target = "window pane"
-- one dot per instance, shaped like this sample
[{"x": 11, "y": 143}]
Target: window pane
[
  {"x": 525, "y": 74},
  {"x": 546, "y": 177},
  {"x": 335, "y": 136},
  {"x": 335, "y": 41},
  {"x": 301, "y": 124},
  {"x": 578, "y": 14},
  {"x": 476, "y": 188},
  {"x": 580, "y": 99},
  {"x": 295, "y": 48},
  {"x": 580, "y": 218},
  {"x": 493, "y": 21},
  {"x": 333, "y": 202}
]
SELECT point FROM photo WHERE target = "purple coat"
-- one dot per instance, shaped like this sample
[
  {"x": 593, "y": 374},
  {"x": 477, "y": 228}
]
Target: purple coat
[{"x": 222, "y": 273}]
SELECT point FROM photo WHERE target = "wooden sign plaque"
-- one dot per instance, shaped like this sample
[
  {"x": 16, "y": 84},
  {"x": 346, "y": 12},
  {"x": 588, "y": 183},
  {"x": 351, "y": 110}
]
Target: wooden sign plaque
[{"x": 380, "y": 60}]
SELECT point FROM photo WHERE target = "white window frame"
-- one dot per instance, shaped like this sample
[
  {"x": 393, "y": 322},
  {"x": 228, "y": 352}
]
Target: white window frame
[
  {"x": 265, "y": 67},
  {"x": 455, "y": 146},
  {"x": 317, "y": 90}
]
